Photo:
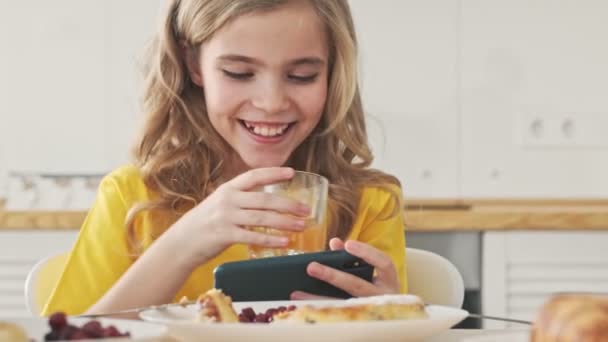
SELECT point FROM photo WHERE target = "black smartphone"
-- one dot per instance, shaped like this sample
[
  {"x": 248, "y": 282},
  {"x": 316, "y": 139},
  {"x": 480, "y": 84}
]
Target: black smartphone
[{"x": 275, "y": 278}]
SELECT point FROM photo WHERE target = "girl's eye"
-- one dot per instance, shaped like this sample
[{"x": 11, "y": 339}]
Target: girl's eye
[
  {"x": 303, "y": 79},
  {"x": 238, "y": 75}
]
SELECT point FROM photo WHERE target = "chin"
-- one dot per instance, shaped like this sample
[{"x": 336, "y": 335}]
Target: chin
[{"x": 256, "y": 163}]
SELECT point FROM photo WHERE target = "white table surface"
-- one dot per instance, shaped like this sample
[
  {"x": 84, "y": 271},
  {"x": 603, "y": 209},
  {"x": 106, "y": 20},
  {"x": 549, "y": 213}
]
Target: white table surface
[
  {"x": 466, "y": 335},
  {"x": 461, "y": 335}
]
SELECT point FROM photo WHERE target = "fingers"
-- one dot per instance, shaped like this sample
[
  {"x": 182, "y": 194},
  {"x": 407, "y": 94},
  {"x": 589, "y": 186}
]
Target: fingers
[
  {"x": 336, "y": 244},
  {"x": 270, "y": 219},
  {"x": 301, "y": 295},
  {"x": 352, "y": 284},
  {"x": 258, "y": 177},
  {"x": 268, "y": 201},
  {"x": 382, "y": 262},
  {"x": 259, "y": 239}
]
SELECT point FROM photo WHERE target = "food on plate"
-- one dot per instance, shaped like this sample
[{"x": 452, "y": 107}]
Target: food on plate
[
  {"x": 62, "y": 330},
  {"x": 572, "y": 317},
  {"x": 12, "y": 332},
  {"x": 215, "y": 306},
  {"x": 248, "y": 315},
  {"x": 379, "y": 308}
]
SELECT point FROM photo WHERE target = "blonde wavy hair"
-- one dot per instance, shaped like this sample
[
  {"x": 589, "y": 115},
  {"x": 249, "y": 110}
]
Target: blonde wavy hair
[{"x": 181, "y": 156}]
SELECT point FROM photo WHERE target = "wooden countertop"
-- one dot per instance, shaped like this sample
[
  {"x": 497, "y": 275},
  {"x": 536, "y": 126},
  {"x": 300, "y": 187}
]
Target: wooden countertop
[
  {"x": 421, "y": 215},
  {"x": 503, "y": 214},
  {"x": 53, "y": 220}
]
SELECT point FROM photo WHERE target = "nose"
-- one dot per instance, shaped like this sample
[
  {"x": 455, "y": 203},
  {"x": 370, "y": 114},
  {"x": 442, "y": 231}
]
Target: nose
[{"x": 272, "y": 97}]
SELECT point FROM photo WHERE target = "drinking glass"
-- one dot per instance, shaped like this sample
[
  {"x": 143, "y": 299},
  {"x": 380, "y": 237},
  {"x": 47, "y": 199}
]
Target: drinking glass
[{"x": 312, "y": 190}]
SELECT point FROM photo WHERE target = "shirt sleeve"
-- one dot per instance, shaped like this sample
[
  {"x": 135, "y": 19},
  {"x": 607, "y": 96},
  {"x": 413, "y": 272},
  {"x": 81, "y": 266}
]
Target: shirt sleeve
[
  {"x": 383, "y": 228},
  {"x": 98, "y": 258}
]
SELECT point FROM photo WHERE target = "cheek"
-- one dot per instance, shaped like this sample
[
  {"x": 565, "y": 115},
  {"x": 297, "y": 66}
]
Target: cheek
[
  {"x": 312, "y": 101},
  {"x": 220, "y": 99}
]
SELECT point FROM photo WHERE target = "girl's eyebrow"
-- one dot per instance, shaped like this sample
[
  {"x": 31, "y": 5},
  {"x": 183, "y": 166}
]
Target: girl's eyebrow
[{"x": 314, "y": 61}]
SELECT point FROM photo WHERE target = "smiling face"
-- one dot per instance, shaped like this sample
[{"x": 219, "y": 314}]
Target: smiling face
[{"x": 265, "y": 81}]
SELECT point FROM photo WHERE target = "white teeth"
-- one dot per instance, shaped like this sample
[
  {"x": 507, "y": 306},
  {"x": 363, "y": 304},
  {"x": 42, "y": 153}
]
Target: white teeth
[{"x": 266, "y": 130}]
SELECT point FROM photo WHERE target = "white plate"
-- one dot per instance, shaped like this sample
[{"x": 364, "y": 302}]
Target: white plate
[
  {"x": 501, "y": 336},
  {"x": 182, "y": 324},
  {"x": 37, "y": 327}
]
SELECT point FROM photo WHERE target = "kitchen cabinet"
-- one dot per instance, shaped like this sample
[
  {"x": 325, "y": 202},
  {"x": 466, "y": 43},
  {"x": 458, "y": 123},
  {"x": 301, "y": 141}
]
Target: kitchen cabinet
[
  {"x": 521, "y": 269},
  {"x": 19, "y": 252}
]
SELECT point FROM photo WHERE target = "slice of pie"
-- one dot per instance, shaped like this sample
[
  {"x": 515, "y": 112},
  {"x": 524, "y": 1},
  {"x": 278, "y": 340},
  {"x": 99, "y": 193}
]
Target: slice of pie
[
  {"x": 378, "y": 308},
  {"x": 215, "y": 306}
]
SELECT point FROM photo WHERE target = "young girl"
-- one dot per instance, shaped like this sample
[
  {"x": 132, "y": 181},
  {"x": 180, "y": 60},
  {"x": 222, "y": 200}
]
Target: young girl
[{"x": 239, "y": 93}]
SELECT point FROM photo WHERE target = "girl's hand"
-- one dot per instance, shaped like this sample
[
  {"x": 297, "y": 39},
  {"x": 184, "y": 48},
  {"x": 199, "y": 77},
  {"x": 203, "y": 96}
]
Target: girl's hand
[
  {"x": 385, "y": 280},
  {"x": 221, "y": 220}
]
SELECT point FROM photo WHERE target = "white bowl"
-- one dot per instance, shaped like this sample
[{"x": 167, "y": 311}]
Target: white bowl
[{"x": 37, "y": 327}]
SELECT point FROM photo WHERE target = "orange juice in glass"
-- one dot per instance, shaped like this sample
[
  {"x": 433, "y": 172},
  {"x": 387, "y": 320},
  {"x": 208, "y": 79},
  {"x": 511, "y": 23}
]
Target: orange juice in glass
[{"x": 312, "y": 190}]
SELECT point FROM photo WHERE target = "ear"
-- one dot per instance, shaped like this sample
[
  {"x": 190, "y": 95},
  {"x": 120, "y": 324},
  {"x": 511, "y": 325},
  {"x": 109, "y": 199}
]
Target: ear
[{"x": 192, "y": 64}]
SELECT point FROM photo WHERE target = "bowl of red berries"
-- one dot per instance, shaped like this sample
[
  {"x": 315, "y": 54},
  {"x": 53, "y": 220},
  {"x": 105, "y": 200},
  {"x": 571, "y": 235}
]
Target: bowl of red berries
[
  {"x": 62, "y": 330},
  {"x": 60, "y": 327}
]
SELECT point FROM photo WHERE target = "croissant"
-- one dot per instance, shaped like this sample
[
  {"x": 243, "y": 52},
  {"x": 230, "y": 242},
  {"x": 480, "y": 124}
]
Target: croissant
[{"x": 572, "y": 317}]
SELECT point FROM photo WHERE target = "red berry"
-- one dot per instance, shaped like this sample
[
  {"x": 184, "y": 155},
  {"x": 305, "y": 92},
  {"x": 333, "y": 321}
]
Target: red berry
[
  {"x": 260, "y": 318},
  {"x": 291, "y": 308},
  {"x": 79, "y": 335},
  {"x": 58, "y": 320},
  {"x": 66, "y": 332},
  {"x": 93, "y": 329},
  {"x": 111, "y": 331},
  {"x": 52, "y": 336},
  {"x": 249, "y": 313}
]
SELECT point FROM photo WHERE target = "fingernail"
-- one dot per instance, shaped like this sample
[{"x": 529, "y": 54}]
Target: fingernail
[{"x": 314, "y": 269}]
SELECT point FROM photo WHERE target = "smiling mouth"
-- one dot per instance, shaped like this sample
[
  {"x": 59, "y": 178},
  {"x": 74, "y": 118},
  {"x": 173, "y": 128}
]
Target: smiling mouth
[{"x": 267, "y": 130}]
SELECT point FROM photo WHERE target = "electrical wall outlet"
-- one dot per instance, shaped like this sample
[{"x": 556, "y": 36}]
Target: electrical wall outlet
[
  {"x": 585, "y": 129},
  {"x": 555, "y": 130}
]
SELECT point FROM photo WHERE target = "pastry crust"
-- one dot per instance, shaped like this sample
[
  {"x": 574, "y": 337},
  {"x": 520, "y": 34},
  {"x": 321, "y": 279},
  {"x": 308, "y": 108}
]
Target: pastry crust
[
  {"x": 215, "y": 306},
  {"x": 364, "y": 309},
  {"x": 572, "y": 317}
]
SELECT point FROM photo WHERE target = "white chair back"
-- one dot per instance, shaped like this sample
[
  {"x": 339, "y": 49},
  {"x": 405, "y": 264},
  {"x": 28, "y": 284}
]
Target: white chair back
[
  {"x": 41, "y": 280},
  {"x": 433, "y": 278}
]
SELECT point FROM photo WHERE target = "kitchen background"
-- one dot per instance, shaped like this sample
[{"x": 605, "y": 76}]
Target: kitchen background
[{"x": 498, "y": 102}]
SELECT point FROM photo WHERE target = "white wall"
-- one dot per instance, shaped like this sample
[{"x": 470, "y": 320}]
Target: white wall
[
  {"x": 68, "y": 94},
  {"x": 524, "y": 61},
  {"x": 472, "y": 97},
  {"x": 500, "y": 98},
  {"x": 409, "y": 69}
]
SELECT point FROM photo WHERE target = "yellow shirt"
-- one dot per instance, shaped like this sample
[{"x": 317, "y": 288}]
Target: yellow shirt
[{"x": 101, "y": 254}]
